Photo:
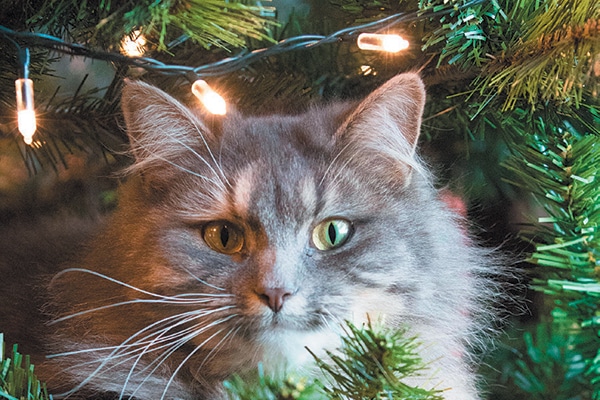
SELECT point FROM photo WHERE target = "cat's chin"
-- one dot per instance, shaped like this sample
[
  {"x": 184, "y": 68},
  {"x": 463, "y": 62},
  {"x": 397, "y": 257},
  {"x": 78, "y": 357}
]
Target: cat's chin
[
  {"x": 285, "y": 349},
  {"x": 279, "y": 351}
]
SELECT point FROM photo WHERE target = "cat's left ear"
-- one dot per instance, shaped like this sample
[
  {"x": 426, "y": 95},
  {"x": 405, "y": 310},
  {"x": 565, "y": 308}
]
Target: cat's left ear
[
  {"x": 383, "y": 131},
  {"x": 164, "y": 133}
]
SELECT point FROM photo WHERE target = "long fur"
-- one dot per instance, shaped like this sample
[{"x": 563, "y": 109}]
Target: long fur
[{"x": 150, "y": 310}]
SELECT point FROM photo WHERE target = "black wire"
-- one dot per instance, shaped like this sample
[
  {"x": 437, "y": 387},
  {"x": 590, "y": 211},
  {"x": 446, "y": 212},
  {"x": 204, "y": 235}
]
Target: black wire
[{"x": 226, "y": 65}]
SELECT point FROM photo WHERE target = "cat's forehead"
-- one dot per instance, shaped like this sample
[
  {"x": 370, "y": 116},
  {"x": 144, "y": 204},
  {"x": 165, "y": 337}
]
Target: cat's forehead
[
  {"x": 279, "y": 136},
  {"x": 278, "y": 165},
  {"x": 270, "y": 196},
  {"x": 277, "y": 170},
  {"x": 281, "y": 180}
]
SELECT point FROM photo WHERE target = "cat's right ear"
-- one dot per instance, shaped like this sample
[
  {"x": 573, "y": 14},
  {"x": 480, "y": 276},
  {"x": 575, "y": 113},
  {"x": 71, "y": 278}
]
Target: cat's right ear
[
  {"x": 382, "y": 132},
  {"x": 164, "y": 134}
]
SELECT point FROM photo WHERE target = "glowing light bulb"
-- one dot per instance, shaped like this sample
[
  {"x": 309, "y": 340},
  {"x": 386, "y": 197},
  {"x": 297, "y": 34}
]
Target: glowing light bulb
[
  {"x": 25, "y": 110},
  {"x": 380, "y": 42},
  {"x": 133, "y": 45},
  {"x": 213, "y": 102},
  {"x": 367, "y": 70}
]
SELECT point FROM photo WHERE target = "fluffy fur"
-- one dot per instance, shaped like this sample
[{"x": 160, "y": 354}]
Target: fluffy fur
[{"x": 151, "y": 310}]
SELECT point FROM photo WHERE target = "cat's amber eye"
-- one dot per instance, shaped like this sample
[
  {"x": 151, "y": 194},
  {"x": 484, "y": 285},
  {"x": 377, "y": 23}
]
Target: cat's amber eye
[
  {"x": 223, "y": 237},
  {"x": 331, "y": 233}
]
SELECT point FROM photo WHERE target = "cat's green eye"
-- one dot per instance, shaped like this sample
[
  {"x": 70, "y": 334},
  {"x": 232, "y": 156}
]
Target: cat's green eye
[
  {"x": 331, "y": 233},
  {"x": 223, "y": 237}
]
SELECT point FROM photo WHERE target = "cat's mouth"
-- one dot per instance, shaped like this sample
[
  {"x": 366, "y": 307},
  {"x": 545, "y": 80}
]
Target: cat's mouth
[
  {"x": 280, "y": 323},
  {"x": 284, "y": 323},
  {"x": 295, "y": 323}
]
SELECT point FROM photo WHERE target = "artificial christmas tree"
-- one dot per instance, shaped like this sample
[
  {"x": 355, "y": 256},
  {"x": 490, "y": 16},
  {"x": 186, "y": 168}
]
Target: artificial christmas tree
[{"x": 510, "y": 82}]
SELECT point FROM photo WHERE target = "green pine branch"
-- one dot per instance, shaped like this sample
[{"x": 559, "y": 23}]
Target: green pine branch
[
  {"x": 371, "y": 363},
  {"x": 266, "y": 387},
  {"x": 552, "y": 66},
  {"x": 551, "y": 367},
  {"x": 17, "y": 378},
  {"x": 524, "y": 52},
  {"x": 558, "y": 160},
  {"x": 103, "y": 23},
  {"x": 465, "y": 36}
]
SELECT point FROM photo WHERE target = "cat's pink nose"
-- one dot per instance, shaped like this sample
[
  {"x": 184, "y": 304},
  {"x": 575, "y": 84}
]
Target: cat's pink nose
[{"x": 274, "y": 297}]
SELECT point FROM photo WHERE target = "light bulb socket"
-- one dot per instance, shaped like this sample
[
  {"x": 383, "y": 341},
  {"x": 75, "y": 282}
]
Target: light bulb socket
[{"x": 24, "y": 92}]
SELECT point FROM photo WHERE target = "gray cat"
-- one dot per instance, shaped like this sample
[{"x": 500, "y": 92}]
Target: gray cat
[{"x": 241, "y": 240}]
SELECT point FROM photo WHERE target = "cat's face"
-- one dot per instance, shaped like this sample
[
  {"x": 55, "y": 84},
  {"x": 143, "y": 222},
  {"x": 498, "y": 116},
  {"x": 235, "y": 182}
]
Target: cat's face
[
  {"x": 258, "y": 237},
  {"x": 292, "y": 221}
]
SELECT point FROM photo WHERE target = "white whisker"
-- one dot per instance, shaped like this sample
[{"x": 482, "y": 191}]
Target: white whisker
[
  {"x": 191, "y": 332},
  {"x": 344, "y": 167},
  {"x": 332, "y": 163},
  {"x": 212, "y": 156},
  {"x": 116, "y": 353},
  {"x": 177, "y": 345},
  {"x": 190, "y": 315},
  {"x": 192, "y": 353},
  {"x": 175, "y": 299},
  {"x": 215, "y": 349},
  {"x": 220, "y": 175},
  {"x": 190, "y": 273},
  {"x": 129, "y": 302},
  {"x": 156, "y": 155},
  {"x": 189, "y": 171},
  {"x": 121, "y": 355},
  {"x": 174, "y": 343}
]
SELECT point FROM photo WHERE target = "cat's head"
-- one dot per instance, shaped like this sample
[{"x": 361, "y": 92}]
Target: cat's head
[
  {"x": 266, "y": 233},
  {"x": 304, "y": 220}
]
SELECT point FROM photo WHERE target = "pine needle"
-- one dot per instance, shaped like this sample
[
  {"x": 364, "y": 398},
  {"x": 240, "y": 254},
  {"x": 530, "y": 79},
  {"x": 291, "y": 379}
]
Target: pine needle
[
  {"x": 371, "y": 363},
  {"x": 561, "y": 166},
  {"x": 17, "y": 378}
]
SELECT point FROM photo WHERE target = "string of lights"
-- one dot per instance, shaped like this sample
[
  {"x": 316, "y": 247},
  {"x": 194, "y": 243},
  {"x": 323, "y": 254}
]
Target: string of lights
[
  {"x": 374, "y": 35},
  {"x": 229, "y": 64}
]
